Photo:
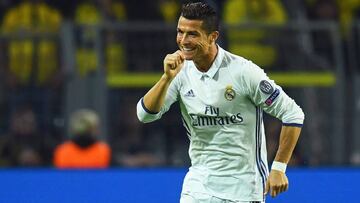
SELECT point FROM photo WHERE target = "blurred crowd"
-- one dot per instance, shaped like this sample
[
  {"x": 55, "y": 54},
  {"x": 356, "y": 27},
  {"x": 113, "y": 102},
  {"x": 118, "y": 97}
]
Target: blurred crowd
[{"x": 33, "y": 74}]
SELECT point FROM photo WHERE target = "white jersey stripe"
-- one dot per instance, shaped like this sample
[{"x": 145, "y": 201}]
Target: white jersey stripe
[
  {"x": 258, "y": 149},
  {"x": 259, "y": 135},
  {"x": 260, "y": 141}
]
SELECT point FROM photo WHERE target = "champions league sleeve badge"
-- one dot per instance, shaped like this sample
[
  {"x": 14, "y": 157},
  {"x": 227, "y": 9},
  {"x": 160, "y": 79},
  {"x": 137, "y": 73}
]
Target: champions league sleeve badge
[
  {"x": 229, "y": 93},
  {"x": 266, "y": 87}
]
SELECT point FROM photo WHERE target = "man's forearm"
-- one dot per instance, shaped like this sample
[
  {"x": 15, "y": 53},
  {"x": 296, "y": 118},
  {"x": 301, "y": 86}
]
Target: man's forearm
[
  {"x": 154, "y": 98},
  {"x": 288, "y": 138}
]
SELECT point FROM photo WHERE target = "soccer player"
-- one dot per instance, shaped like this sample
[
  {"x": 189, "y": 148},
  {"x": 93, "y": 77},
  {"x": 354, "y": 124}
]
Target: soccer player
[{"x": 222, "y": 98}]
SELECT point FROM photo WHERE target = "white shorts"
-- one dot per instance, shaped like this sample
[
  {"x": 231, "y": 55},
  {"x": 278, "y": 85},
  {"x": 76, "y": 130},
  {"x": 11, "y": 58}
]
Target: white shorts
[{"x": 205, "y": 198}]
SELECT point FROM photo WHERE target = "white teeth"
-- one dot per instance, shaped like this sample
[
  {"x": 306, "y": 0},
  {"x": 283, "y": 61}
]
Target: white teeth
[{"x": 187, "y": 49}]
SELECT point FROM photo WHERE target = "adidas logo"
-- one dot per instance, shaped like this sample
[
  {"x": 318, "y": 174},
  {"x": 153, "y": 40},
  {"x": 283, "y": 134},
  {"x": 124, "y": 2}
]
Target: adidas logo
[{"x": 190, "y": 93}]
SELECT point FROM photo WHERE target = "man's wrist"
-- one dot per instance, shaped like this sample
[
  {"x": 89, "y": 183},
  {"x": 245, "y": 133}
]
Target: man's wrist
[
  {"x": 279, "y": 166},
  {"x": 166, "y": 78}
]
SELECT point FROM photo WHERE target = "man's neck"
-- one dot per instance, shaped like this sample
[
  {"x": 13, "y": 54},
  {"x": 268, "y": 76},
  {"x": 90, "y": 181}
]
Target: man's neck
[{"x": 205, "y": 63}]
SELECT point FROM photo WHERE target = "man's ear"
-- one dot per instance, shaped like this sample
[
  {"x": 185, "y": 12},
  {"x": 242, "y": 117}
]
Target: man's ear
[{"x": 214, "y": 36}]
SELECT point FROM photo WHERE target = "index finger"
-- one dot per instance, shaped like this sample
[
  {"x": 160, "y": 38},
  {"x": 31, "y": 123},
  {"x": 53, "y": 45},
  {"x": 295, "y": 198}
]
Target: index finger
[
  {"x": 273, "y": 191},
  {"x": 180, "y": 54}
]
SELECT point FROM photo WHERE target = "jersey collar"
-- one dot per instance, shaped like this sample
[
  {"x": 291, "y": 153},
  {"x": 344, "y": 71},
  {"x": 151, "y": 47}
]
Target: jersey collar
[{"x": 214, "y": 67}]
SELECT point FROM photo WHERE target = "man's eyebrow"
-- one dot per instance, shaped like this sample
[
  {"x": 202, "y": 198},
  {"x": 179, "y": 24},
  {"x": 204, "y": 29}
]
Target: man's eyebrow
[
  {"x": 189, "y": 32},
  {"x": 193, "y": 32}
]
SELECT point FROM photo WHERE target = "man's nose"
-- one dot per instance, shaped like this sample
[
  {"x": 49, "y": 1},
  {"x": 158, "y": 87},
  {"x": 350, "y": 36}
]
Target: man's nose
[{"x": 184, "y": 39}]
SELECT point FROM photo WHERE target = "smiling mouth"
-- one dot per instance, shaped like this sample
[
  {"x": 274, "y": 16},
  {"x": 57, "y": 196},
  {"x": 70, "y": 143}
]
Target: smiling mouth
[{"x": 188, "y": 49}]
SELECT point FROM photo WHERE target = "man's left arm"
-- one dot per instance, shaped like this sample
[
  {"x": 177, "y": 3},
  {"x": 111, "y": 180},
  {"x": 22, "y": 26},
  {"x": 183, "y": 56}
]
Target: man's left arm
[
  {"x": 277, "y": 181},
  {"x": 266, "y": 94}
]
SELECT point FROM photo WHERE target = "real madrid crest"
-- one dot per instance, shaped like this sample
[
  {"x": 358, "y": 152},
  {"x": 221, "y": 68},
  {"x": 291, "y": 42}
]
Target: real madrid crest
[{"x": 229, "y": 93}]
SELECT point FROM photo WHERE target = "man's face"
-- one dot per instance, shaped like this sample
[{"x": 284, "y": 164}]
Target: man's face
[{"x": 192, "y": 39}]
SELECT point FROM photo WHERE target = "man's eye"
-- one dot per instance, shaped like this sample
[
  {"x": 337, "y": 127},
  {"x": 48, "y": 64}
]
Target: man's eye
[{"x": 192, "y": 34}]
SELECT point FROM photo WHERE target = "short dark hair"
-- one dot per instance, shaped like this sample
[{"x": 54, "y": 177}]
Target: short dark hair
[{"x": 204, "y": 12}]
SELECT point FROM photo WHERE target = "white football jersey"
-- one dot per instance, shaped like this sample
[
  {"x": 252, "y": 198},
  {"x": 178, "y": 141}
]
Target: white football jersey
[{"x": 222, "y": 113}]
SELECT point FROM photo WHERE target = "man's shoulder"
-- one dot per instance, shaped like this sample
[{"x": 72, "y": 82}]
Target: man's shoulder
[
  {"x": 234, "y": 61},
  {"x": 101, "y": 146},
  {"x": 65, "y": 149}
]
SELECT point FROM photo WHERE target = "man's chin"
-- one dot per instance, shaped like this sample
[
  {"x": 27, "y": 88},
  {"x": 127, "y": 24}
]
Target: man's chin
[{"x": 188, "y": 57}]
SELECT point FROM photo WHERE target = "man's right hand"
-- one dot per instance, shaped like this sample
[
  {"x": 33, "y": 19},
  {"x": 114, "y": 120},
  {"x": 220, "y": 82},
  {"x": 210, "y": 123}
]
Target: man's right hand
[{"x": 173, "y": 64}]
